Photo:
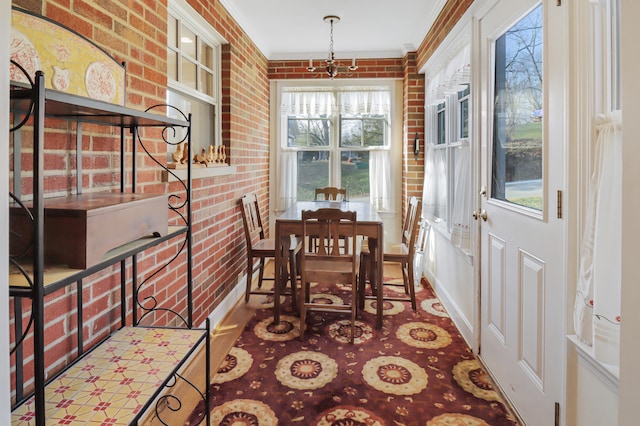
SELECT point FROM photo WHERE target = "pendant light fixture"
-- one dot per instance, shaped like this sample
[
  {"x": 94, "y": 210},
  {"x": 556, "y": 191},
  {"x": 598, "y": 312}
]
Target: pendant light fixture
[{"x": 332, "y": 67}]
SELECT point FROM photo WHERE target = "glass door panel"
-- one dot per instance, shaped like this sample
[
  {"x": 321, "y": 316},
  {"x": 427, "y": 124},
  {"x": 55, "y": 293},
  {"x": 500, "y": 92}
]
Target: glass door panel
[{"x": 517, "y": 175}]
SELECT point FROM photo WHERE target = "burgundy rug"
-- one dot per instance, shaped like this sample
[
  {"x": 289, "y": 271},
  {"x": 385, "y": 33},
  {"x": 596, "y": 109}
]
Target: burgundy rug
[{"x": 416, "y": 370}]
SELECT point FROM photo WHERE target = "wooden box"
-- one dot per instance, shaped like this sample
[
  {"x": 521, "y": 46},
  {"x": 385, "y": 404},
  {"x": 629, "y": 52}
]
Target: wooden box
[{"x": 80, "y": 229}]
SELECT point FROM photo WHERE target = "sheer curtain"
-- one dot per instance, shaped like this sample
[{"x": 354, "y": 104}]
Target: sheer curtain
[
  {"x": 363, "y": 100},
  {"x": 429, "y": 199},
  {"x": 462, "y": 196},
  {"x": 379, "y": 179},
  {"x": 379, "y": 103},
  {"x": 597, "y": 305},
  {"x": 297, "y": 103},
  {"x": 443, "y": 86}
]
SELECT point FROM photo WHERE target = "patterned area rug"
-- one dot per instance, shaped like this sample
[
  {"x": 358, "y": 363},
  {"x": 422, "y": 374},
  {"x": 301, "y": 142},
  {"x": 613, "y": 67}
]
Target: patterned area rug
[{"x": 416, "y": 370}]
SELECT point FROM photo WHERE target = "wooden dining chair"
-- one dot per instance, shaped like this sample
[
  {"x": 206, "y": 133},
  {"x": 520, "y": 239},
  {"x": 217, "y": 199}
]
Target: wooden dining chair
[
  {"x": 328, "y": 265},
  {"x": 261, "y": 248},
  {"x": 331, "y": 193},
  {"x": 401, "y": 253},
  {"x": 328, "y": 193}
]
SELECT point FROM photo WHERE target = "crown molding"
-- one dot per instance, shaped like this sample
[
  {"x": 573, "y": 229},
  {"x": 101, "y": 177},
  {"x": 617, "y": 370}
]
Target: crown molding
[
  {"x": 340, "y": 56},
  {"x": 252, "y": 32}
]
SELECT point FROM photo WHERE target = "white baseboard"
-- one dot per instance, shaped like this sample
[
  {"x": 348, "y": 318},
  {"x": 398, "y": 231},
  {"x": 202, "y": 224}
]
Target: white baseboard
[
  {"x": 458, "y": 318},
  {"x": 227, "y": 303}
]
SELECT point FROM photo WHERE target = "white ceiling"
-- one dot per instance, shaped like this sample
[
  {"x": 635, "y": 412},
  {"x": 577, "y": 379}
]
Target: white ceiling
[{"x": 295, "y": 29}]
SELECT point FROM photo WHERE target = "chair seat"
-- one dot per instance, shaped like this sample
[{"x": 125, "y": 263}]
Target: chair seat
[
  {"x": 337, "y": 272},
  {"x": 268, "y": 246},
  {"x": 391, "y": 251}
]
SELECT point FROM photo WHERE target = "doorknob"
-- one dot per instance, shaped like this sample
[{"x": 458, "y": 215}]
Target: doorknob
[{"x": 482, "y": 214}]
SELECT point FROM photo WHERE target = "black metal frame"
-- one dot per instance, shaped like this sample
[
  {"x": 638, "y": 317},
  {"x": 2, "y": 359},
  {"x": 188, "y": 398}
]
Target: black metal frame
[{"x": 36, "y": 102}]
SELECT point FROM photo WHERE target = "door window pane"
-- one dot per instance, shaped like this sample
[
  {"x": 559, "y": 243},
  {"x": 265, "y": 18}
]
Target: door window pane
[{"x": 518, "y": 114}]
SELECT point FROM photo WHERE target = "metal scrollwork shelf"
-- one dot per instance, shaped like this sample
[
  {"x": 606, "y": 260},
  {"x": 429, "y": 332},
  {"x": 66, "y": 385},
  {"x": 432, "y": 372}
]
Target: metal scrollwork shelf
[{"x": 32, "y": 277}]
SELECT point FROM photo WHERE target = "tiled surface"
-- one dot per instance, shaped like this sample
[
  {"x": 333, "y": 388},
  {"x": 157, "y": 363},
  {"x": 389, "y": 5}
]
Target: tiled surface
[{"x": 112, "y": 383}]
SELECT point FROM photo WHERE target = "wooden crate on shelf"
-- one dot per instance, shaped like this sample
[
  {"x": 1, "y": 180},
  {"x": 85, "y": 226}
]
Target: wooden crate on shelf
[{"x": 80, "y": 229}]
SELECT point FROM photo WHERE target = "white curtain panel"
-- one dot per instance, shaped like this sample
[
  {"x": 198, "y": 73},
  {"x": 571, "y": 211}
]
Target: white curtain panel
[
  {"x": 462, "y": 197},
  {"x": 428, "y": 188},
  {"x": 306, "y": 103},
  {"x": 450, "y": 77},
  {"x": 607, "y": 274},
  {"x": 379, "y": 179},
  {"x": 364, "y": 102},
  {"x": 597, "y": 305},
  {"x": 288, "y": 179}
]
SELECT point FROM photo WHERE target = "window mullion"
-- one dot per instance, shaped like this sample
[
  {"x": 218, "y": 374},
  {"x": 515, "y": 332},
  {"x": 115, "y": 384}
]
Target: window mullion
[{"x": 335, "y": 152}]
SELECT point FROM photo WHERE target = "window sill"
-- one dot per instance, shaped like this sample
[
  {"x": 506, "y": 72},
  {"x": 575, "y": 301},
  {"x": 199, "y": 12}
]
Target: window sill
[
  {"x": 441, "y": 228},
  {"x": 198, "y": 172},
  {"x": 608, "y": 374}
]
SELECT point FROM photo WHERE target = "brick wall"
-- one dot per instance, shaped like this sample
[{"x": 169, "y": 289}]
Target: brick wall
[
  {"x": 135, "y": 32},
  {"x": 413, "y": 120},
  {"x": 367, "y": 68}
]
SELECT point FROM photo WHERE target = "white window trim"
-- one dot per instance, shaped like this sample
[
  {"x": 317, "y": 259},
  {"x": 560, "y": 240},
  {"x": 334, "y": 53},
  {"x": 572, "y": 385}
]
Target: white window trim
[
  {"x": 395, "y": 142},
  {"x": 594, "y": 80},
  {"x": 439, "y": 75},
  {"x": 204, "y": 30}
]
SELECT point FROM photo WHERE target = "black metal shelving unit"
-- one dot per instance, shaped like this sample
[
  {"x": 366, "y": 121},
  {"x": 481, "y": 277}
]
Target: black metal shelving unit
[{"x": 33, "y": 103}]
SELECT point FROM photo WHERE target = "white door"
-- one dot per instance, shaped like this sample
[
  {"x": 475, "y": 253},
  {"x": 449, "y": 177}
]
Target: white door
[{"x": 522, "y": 123}]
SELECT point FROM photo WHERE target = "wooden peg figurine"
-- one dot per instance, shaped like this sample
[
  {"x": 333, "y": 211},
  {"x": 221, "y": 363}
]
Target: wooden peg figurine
[
  {"x": 185, "y": 155},
  {"x": 201, "y": 158},
  {"x": 177, "y": 155}
]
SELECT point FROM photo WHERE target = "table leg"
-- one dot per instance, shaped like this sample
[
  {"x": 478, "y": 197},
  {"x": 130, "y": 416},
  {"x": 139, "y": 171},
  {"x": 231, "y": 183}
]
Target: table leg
[
  {"x": 277, "y": 275},
  {"x": 377, "y": 257}
]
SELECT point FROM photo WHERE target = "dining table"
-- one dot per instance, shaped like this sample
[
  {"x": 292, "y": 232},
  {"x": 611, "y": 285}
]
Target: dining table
[{"x": 368, "y": 224}]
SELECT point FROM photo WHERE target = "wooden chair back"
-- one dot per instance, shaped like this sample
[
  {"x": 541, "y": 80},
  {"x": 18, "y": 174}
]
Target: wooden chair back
[
  {"x": 253, "y": 229},
  {"x": 329, "y": 262},
  {"x": 331, "y": 193},
  {"x": 410, "y": 234},
  {"x": 410, "y": 226}
]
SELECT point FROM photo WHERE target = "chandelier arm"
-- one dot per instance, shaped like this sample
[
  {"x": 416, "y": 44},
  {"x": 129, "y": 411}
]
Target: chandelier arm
[{"x": 331, "y": 66}]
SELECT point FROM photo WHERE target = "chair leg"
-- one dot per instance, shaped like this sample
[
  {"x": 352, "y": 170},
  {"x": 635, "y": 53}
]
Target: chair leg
[
  {"x": 353, "y": 311},
  {"x": 411, "y": 284},
  {"x": 303, "y": 308},
  {"x": 261, "y": 273},
  {"x": 362, "y": 277},
  {"x": 249, "y": 279},
  {"x": 292, "y": 279}
]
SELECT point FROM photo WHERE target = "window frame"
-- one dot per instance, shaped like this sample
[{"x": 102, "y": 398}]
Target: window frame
[
  {"x": 394, "y": 149},
  {"x": 447, "y": 136},
  {"x": 186, "y": 16}
]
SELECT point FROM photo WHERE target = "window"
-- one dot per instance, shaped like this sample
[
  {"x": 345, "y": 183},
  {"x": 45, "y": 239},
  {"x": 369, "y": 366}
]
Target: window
[
  {"x": 335, "y": 137},
  {"x": 597, "y": 308},
  {"x": 518, "y": 116},
  {"x": 193, "y": 72},
  {"x": 446, "y": 199}
]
